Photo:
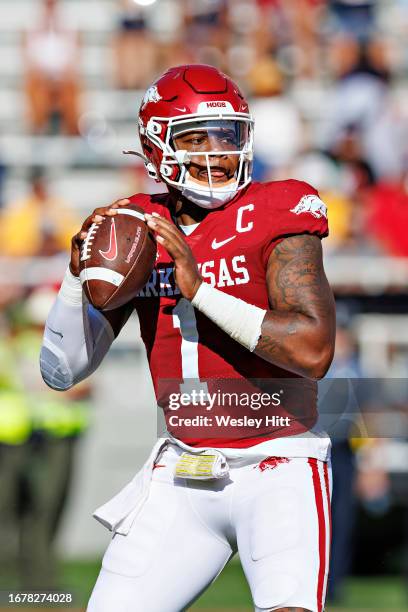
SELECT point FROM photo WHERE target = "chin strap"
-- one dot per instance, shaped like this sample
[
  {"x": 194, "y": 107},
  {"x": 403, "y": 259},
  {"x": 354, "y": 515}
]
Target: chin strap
[
  {"x": 208, "y": 198},
  {"x": 151, "y": 170}
]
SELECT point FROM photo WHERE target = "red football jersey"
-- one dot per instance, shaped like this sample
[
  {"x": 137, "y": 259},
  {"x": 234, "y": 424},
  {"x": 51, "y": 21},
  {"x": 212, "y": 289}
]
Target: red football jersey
[{"x": 232, "y": 246}]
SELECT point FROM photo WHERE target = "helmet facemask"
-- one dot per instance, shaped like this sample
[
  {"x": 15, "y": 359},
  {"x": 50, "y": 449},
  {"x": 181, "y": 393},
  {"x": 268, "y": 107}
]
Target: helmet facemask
[{"x": 200, "y": 141}]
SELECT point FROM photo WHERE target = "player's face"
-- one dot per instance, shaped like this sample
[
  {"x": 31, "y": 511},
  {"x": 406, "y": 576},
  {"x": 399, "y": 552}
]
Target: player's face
[{"x": 222, "y": 142}]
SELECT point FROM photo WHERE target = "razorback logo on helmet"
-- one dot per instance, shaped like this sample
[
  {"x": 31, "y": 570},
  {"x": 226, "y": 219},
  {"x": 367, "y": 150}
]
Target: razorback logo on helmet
[
  {"x": 311, "y": 204},
  {"x": 151, "y": 95}
]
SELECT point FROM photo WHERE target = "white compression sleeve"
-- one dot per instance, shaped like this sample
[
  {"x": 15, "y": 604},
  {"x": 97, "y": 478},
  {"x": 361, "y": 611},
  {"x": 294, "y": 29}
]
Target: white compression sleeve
[
  {"x": 240, "y": 320},
  {"x": 76, "y": 337}
]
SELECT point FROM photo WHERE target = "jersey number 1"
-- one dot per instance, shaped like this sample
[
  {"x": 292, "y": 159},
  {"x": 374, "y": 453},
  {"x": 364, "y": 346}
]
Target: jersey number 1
[{"x": 184, "y": 319}]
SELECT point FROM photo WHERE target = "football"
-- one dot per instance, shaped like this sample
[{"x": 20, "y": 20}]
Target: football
[{"x": 117, "y": 258}]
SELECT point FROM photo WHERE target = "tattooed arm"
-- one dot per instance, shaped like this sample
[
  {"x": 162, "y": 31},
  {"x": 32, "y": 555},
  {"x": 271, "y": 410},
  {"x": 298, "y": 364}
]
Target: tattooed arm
[{"x": 298, "y": 332}]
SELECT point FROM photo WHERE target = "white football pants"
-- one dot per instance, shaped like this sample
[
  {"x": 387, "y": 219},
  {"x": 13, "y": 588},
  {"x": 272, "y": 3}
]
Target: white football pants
[{"x": 276, "y": 513}]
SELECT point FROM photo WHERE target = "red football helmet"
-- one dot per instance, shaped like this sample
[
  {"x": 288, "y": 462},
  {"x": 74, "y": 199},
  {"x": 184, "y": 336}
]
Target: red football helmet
[{"x": 195, "y": 98}]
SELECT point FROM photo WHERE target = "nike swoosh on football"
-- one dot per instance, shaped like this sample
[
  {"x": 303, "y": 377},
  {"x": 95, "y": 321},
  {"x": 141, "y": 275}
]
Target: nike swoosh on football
[
  {"x": 112, "y": 252},
  {"x": 217, "y": 245},
  {"x": 56, "y": 332}
]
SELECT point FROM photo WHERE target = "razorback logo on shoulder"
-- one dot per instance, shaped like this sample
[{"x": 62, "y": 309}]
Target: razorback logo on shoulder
[{"x": 310, "y": 204}]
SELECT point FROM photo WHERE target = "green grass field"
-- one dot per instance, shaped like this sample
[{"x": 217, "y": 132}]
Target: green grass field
[{"x": 230, "y": 592}]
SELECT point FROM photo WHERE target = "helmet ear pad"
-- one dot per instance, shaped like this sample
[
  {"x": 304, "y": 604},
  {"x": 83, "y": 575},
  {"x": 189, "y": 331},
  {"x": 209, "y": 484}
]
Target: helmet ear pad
[
  {"x": 168, "y": 171},
  {"x": 155, "y": 153}
]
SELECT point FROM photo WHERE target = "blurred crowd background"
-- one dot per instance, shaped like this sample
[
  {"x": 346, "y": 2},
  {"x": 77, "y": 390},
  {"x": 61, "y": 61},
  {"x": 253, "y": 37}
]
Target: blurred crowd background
[{"x": 327, "y": 82}]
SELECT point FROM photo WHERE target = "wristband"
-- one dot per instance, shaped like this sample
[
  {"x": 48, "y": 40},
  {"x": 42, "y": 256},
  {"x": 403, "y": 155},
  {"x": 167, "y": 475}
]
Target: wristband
[
  {"x": 71, "y": 289},
  {"x": 240, "y": 320}
]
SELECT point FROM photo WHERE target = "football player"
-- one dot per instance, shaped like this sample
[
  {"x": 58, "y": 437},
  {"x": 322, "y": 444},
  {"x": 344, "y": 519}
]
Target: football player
[{"x": 238, "y": 296}]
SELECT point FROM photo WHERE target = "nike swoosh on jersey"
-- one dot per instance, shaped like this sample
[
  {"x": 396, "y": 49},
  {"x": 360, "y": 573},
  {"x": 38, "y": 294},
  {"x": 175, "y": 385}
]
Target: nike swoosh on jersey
[
  {"x": 182, "y": 110},
  {"x": 217, "y": 245},
  {"x": 112, "y": 252},
  {"x": 57, "y": 333}
]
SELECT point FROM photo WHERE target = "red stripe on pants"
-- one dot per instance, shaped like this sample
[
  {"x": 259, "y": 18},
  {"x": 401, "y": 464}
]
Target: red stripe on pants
[
  {"x": 322, "y": 531},
  {"x": 327, "y": 486}
]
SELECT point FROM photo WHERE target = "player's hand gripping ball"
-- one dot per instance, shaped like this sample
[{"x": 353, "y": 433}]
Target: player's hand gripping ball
[
  {"x": 186, "y": 273},
  {"x": 116, "y": 254}
]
